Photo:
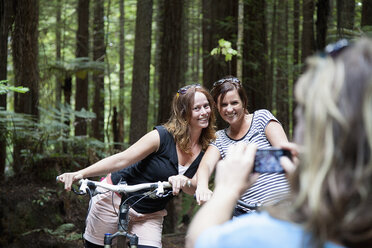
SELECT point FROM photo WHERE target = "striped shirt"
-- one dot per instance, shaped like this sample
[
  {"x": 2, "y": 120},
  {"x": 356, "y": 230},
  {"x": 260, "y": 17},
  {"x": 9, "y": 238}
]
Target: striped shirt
[{"x": 270, "y": 187}]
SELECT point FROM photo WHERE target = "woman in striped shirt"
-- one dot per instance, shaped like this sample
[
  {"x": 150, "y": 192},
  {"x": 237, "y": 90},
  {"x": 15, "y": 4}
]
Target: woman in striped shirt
[{"x": 260, "y": 128}]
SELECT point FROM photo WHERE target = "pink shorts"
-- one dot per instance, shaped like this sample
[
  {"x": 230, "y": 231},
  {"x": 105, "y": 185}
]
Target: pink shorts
[{"x": 103, "y": 218}]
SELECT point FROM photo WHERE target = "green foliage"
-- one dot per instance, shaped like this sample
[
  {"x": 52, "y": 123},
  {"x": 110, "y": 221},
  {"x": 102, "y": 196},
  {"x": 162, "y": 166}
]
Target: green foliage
[
  {"x": 5, "y": 88},
  {"x": 64, "y": 231},
  {"x": 79, "y": 66},
  {"x": 367, "y": 30},
  {"x": 44, "y": 196},
  {"x": 224, "y": 48},
  {"x": 51, "y": 136}
]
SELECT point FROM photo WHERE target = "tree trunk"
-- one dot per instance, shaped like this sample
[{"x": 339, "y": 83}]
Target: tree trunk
[
  {"x": 170, "y": 56},
  {"x": 271, "y": 79},
  {"x": 296, "y": 59},
  {"x": 307, "y": 41},
  {"x": 5, "y": 24},
  {"x": 25, "y": 63},
  {"x": 99, "y": 51},
  {"x": 141, "y": 71},
  {"x": 59, "y": 79},
  {"x": 82, "y": 49},
  {"x": 121, "y": 114},
  {"x": 282, "y": 68},
  {"x": 159, "y": 15},
  {"x": 345, "y": 17},
  {"x": 198, "y": 43},
  {"x": 67, "y": 92},
  {"x": 59, "y": 74},
  {"x": 366, "y": 13},
  {"x": 254, "y": 59},
  {"x": 220, "y": 21},
  {"x": 193, "y": 31},
  {"x": 184, "y": 52},
  {"x": 115, "y": 128},
  {"x": 323, "y": 8},
  {"x": 25, "y": 55},
  {"x": 239, "y": 42}
]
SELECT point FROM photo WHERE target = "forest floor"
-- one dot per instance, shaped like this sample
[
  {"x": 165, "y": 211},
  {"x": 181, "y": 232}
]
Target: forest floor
[{"x": 35, "y": 214}]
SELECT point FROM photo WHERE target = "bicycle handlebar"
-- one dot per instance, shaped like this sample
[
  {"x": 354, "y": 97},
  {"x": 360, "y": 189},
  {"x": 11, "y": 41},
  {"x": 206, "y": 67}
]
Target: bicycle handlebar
[{"x": 86, "y": 184}]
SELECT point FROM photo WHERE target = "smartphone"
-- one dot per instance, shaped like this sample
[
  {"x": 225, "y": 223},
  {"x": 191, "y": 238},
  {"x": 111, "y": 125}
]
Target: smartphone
[{"x": 268, "y": 160}]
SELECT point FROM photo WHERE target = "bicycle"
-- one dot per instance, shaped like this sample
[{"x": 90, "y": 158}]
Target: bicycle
[{"x": 155, "y": 190}]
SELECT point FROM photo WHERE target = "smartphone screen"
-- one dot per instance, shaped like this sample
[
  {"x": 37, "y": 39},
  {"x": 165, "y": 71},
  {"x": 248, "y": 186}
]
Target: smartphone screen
[{"x": 268, "y": 160}]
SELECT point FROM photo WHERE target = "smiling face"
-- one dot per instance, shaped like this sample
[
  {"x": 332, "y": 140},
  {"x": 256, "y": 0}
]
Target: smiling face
[
  {"x": 231, "y": 107},
  {"x": 200, "y": 111}
]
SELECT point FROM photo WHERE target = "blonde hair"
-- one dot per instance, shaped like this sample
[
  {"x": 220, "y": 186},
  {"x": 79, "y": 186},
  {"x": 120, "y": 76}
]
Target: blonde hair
[
  {"x": 333, "y": 184},
  {"x": 178, "y": 124}
]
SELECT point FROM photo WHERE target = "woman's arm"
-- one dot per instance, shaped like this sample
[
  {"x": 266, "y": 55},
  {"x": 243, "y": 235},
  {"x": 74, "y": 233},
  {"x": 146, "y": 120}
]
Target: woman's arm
[
  {"x": 206, "y": 167},
  {"x": 232, "y": 178},
  {"x": 148, "y": 144},
  {"x": 275, "y": 134}
]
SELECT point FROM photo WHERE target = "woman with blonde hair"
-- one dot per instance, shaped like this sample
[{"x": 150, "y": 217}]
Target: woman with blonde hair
[{"x": 331, "y": 173}]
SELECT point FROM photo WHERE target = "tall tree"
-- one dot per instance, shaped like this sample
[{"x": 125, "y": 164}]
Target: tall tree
[
  {"x": 67, "y": 92},
  {"x": 345, "y": 17},
  {"x": 5, "y": 24},
  {"x": 121, "y": 115},
  {"x": 271, "y": 79},
  {"x": 184, "y": 52},
  {"x": 296, "y": 54},
  {"x": 82, "y": 49},
  {"x": 170, "y": 56},
  {"x": 195, "y": 39},
  {"x": 59, "y": 79},
  {"x": 220, "y": 21},
  {"x": 171, "y": 72},
  {"x": 25, "y": 61},
  {"x": 141, "y": 71},
  {"x": 322, "y": 13},
  {"x": 282, "y": 105},
  {"x": 158, "y": 36},
  {"x": 307, "y": 40},
  {"x": 254, "y": 55},
  {"x": 366, "y": 13},
  {"x": 99, "y": 51}
]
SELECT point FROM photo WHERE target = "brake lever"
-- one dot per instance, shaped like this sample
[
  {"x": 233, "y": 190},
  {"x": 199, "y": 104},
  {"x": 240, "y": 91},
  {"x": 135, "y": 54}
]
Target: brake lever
[
  {"x": 78, "y": 192},
  {"x": 160, "y": 189},
  {"x": 86, "y": 187}
]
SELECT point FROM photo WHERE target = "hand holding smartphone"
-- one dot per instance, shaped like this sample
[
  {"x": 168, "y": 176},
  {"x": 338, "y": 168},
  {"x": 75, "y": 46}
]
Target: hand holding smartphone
[{"x": 268, "y": 160}]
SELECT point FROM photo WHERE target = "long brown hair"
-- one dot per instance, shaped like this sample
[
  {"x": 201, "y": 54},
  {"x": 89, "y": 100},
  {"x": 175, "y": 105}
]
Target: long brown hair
[{"x": 178, "y": 124}]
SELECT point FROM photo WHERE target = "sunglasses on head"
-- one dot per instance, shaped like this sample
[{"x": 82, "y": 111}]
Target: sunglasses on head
[
  {"x": 334, "y": 49},
  {"x": 232, "y": 80},
  {"x": 184, "y": 89}
]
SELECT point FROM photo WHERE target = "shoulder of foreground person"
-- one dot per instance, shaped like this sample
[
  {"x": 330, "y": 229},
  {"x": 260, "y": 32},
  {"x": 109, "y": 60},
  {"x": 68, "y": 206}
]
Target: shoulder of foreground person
[{"x": 256, "y": 230}]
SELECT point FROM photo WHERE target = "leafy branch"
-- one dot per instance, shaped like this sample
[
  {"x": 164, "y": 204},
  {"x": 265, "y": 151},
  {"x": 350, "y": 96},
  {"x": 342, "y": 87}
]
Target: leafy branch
[
  {"x": 5, "y": 88},
  {"x": 224, "y": 48}
]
